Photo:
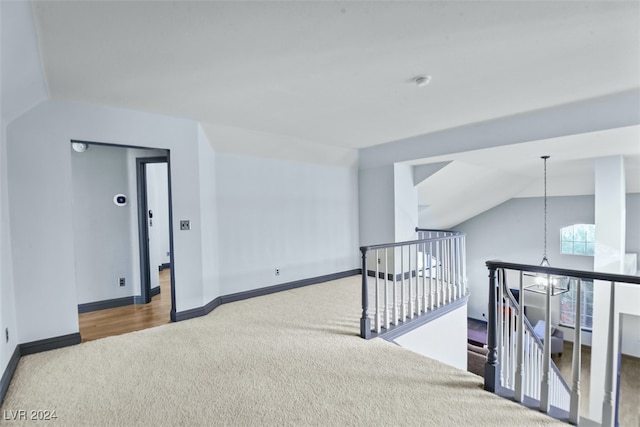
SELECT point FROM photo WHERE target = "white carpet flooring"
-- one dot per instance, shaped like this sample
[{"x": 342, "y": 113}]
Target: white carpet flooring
[{"x": 291, "y": 358}]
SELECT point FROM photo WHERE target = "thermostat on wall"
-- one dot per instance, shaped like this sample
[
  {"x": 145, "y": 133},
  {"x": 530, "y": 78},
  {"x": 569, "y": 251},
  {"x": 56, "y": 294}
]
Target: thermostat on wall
[{"x": 120, "y": 200}]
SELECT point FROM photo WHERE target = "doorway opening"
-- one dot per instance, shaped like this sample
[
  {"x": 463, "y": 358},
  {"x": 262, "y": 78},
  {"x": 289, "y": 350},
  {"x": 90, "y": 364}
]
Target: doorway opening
[
  {"x": 154, "y": 219},
  {"x": 123, "y": 238}
]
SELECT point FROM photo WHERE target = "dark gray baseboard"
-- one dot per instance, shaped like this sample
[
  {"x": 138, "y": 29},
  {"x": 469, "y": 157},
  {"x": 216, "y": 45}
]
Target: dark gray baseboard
[
  {"x": 201, "y": 311},
  {"x": 103, "y": 305},
  {"x": 32, "y": 348},
  {"x": 49, "y": 344},
  {"x": 116, "y": 302},
  {"x": 8, "y": 372}
]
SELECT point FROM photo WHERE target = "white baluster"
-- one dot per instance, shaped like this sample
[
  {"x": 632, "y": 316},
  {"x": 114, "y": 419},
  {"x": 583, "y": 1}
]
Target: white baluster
[
  {"x": 464, "y": 265},
  {"x": 437, "y": 273},
  {"x": 545, "y": 386},
  {"x": 518, "y": 390},
  {"x": 512, "y": 347},
  {"x": 386, "y": 289},
  {"x": 432, "y": 269},
  {"x": 425, "y": 297},
  {"x": 395, "y": 297},
  {"x": 576, "y": 364},
  {"x": 418, "y": 307},
  {"x": 411, "y": 297},
  {"x": 403, "y": 298},
  {"x": 377, "y": 314}
]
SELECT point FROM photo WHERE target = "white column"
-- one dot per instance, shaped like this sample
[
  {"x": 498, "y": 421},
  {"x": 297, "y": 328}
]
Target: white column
[{"x": 610, "y": 221}]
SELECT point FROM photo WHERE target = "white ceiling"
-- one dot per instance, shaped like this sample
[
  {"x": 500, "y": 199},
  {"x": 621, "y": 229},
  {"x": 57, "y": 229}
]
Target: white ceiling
[
  {"x": 338, "y": 73},
  {"x": 316, "y": 80}
]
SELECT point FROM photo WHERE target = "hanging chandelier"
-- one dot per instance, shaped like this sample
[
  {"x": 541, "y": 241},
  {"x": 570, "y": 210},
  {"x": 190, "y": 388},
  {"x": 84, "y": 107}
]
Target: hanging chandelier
[
  {"x": 545, "y": 281},
  {"x": 545, "y": 261}
]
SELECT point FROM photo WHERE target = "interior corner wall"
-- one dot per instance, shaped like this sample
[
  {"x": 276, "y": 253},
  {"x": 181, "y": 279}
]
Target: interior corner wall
[
  {"x": 102, "y": 230},
  {"x": 23, "y": 86},
  {"x": 300, "y": 218},
  {"x": 40, "y": 205},
  {"x": 158, "y": 204},
  {"x": 7, "y": 300},
  {"x": 376, "y": 205},
  {"x": 405, "y": 195},
  {"x": 209, "y": 215}
]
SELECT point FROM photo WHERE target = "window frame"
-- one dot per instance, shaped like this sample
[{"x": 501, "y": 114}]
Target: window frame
[
  {"x": 578, "y": 239},
  {"x": 587, "y": 306}
]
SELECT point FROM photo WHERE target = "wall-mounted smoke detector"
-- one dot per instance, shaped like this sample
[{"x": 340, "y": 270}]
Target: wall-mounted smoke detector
[{"x": 422, "y": 81}]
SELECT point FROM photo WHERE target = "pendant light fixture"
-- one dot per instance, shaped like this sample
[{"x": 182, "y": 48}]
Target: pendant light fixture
[
  {"x": 543, "y": 281},
  {"x": 545, "y": 261}
]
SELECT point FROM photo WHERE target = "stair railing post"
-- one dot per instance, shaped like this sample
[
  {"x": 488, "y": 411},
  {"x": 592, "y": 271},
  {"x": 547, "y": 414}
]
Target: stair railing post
[
  {"x": 365, "y": 322},
  {"x": 608, "y": 404},
  {"x": 545, "y": 386},
  {"x": 491, "y": 368}
]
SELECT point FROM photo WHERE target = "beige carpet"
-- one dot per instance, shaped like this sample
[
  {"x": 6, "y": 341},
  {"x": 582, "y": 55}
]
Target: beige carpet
[{"x": 292, "y": 358}]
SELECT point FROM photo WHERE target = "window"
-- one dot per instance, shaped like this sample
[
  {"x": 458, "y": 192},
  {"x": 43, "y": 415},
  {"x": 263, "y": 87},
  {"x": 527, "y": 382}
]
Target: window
[
  {"x": 578, "y": 239},
  {"x": 568, "y": 305}
]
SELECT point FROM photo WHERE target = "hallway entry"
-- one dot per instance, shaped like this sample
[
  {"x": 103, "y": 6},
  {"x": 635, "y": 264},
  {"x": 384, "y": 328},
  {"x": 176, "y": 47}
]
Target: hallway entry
[{"x": 122, "y": 238}]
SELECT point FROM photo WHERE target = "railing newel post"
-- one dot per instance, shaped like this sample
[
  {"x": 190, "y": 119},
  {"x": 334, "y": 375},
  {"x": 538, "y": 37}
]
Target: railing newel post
[
  {"x": 365, "y": 322},
  {"x": 491, "y": 370},
  {"x": 608, "y": 404}
]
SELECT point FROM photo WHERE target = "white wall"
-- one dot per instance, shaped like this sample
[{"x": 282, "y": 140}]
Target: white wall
[
  {"x": 40, "y": 196},
  {"x": 208, "y": 210},
  {"x": 443, "y": 339},
  {"x": 300, "y": 218},
  {"x": 513, "y": 231},
  {"x": 101, "y": 230},
  {"x": 106, "y": 236},
  {"x": 158, "y": 203},
  {"x": 405, "y": 203},
  {"x": 376, "y": 202},
  {"x": 23, "y": 86}
]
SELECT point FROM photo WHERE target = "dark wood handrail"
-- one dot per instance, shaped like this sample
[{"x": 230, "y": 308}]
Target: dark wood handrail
[
  {"x": 364, "y": 249},
  {"x": 580, "y": 274},
  {"x": 454, "y": 232}
]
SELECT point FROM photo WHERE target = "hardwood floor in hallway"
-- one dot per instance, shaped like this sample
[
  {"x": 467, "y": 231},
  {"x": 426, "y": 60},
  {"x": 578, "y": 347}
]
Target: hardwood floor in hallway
[{"x": 120, "y": 320}]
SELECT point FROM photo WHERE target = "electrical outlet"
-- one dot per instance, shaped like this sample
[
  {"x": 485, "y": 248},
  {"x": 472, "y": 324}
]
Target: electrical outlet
[
  {"x": 277, "y": 271},
  {"x": 185, "y": 225},
  {"x": 121, "y": 281}
]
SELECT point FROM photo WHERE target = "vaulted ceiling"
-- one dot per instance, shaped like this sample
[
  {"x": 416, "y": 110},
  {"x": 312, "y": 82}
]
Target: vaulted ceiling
[{"x": 267, "y": 77}]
